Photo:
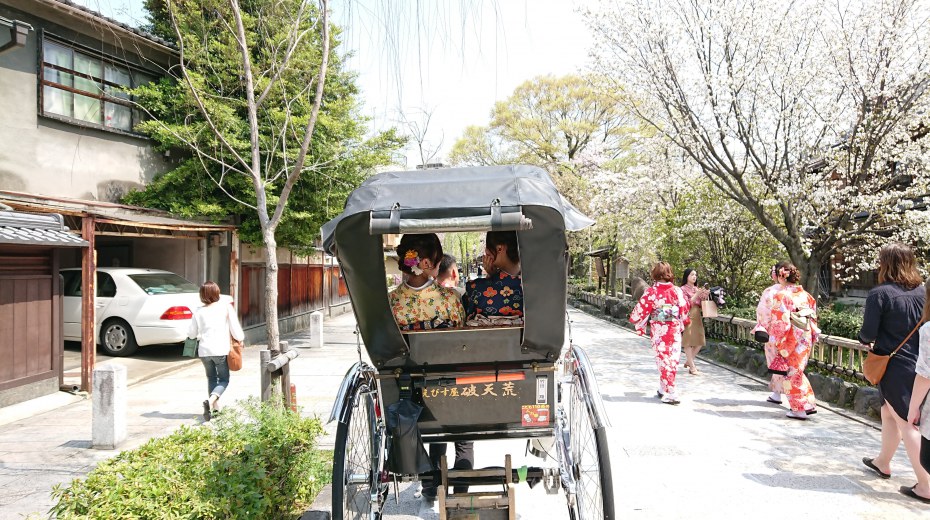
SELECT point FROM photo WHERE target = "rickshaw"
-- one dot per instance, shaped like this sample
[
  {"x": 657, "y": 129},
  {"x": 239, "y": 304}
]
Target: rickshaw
[{"x": 469, "y": 383}]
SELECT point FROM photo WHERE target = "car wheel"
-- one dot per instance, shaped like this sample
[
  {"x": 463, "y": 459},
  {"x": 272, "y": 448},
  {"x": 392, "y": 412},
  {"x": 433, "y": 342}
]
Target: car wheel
[{"x": 117, "y": 338}]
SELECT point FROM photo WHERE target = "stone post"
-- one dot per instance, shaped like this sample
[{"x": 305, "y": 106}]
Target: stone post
[
  {"x": 316, "y": 331},
  {"x": 109, "y": 406}
]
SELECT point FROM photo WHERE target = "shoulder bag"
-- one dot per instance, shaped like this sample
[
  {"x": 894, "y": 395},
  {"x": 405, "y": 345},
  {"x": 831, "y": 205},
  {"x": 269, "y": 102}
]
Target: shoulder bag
[
  {"x": 190, "y": 347},
  {"x": 708, "y": 309},
  {"x": 875, "y": 365},
  {"x": 234, "y": 358}
]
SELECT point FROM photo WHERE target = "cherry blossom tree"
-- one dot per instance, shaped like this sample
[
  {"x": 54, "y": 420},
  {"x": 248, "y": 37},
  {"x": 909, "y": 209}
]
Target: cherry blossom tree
[{"x": 812, "y": 116}]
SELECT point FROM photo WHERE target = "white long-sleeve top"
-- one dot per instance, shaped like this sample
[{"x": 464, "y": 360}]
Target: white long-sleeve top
[{"x": 212, "y": 325}]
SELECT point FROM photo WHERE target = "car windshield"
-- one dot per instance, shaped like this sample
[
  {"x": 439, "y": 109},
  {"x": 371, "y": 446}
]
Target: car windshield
[{"x": 163, "y": 283}]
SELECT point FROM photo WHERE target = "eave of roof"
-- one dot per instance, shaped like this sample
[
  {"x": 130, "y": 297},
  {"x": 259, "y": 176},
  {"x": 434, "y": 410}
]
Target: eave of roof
[
  {"x": 108, "y": 212},
  {"x": 87, "y": 13}
]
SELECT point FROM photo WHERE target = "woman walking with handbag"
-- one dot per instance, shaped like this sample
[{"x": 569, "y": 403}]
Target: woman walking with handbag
[
  {"x": 664, "y": 308},
  {"x": 692, "y": 338},
  {"x": 918, "y": 414},
  {"x": 893, "y": 311},
  {"x": 214, "y": 325}
]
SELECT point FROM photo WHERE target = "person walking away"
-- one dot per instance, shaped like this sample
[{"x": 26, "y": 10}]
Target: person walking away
[
  {"x": 692, "y": 338},
  {"x": 664, "y": 308},
  {"x": 892, "y": 310},
  {"x": 213, "y": 325},
  {"x": 792, "y": 328},
  {"x": 919, "y": 404},
  {"x": 763, "y": 315}
]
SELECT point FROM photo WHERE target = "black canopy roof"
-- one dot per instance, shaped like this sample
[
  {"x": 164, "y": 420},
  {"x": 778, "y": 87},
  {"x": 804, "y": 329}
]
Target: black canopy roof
[{"x": 454, "y": 199}]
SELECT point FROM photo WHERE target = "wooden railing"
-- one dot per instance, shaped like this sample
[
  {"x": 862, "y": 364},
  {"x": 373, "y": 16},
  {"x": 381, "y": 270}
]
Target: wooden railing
[{"x": 831, "y": 353}]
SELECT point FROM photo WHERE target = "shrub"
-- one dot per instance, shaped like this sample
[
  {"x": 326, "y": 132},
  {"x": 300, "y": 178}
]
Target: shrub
[{"x": 255, "y": 462}]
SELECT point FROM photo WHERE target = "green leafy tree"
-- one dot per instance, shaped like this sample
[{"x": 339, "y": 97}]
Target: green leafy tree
[{"x": 266, "y": 117}]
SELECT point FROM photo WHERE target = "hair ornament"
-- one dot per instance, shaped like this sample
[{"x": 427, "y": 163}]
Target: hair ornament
[{"x": 412, "y": 260}]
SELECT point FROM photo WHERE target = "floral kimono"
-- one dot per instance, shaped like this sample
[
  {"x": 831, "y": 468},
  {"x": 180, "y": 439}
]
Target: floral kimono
[
  {"x": 792, "y": 344},
  {"x": 763, "y": 316},
  {"x": 500, "y": 294},
  {"x": 664, "y": 307},
  {"x": 426, "y": 307}
]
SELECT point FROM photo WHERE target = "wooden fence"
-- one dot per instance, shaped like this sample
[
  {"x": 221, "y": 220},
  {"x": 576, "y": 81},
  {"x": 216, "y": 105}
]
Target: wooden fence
[{"x": 302, "y": 288}]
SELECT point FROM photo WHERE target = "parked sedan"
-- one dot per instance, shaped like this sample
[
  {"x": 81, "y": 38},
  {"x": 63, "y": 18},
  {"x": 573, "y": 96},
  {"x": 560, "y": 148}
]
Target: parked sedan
[{"x": 135, "y": 307}]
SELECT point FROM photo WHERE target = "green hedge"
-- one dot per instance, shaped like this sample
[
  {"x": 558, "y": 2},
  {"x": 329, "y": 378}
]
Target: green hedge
[{"x": 257, "y": 461}]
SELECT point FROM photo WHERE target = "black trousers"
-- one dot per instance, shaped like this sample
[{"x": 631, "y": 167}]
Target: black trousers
[
  {"x": 464, "y": 459},
  {"x": 925, "y": 451}
]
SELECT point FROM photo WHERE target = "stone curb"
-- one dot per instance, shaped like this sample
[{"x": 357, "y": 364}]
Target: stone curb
[{"x": 322, "y": 507}]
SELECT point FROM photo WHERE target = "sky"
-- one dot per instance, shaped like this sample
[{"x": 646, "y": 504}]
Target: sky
[{"x": 449, "y": 59}]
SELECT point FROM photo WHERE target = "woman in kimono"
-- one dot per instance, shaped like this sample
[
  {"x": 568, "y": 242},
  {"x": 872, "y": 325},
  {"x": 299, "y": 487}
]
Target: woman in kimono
[
  {"x": 664, "y": 307},
  {"x": 763, "y": 315},
  {"x": 419, "y": 303},
  {"x": 792, "y": 329}
]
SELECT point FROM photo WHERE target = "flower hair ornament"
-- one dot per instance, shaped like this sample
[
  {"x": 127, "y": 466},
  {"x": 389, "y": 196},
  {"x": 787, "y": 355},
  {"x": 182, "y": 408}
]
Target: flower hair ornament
[{"x": 412, "y": 260}]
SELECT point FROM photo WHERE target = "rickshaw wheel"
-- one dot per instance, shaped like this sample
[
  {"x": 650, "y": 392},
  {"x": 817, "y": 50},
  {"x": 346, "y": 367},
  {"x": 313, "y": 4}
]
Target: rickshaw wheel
[
  {"x": 355, "y": 457},
  {"x": 590, "y": 461}
]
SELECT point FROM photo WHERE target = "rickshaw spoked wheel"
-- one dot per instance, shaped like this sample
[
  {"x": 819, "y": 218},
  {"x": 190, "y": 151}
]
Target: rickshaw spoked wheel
[
  {"x": 590, "y": 460},
  {"x": 355, "y": 459}
]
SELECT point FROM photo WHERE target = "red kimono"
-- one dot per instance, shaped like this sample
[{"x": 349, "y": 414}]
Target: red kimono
[{"x": 665, "y": 308}]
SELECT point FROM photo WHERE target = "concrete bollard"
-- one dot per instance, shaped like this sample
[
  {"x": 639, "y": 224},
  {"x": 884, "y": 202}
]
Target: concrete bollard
[
  {"x": 109, "y": 406},
  {"x": 316, "y": 330}
]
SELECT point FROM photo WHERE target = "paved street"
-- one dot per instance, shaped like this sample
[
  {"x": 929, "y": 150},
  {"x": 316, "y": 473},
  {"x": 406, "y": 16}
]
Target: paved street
[{"x": 723, "y": 453}]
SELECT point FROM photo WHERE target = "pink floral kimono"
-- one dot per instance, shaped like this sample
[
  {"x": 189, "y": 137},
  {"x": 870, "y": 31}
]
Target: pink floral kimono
[
  {"x": 763, "y": 316},
  {"x": 791, "y": 344},
  {"x": 664, "y": 307}
]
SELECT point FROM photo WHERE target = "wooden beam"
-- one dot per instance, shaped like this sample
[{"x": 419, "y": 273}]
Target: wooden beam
[{"x": 88, "y": 304}]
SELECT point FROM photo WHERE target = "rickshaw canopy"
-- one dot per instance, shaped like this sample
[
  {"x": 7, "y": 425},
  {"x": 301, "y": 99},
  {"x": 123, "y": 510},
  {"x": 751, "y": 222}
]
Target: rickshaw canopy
[{"x": 520, "y": 198}]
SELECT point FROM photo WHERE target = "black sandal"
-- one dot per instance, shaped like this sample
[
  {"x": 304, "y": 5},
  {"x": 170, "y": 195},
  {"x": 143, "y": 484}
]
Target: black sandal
[{"x": 871, "y": 465}]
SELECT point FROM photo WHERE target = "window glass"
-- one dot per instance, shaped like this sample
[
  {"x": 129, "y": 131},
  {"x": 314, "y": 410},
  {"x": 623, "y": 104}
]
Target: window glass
[
  {"x": 117, "y": 116},
  {"x": 163, "y": 283},
  {"x": 87, "y": 109},
  {"x": 57, "y": 101},
  {"x": 106, "y": 287},
  {"x": 102, "y": 86},
  {"x": 90, "y": 67},
  {"x": 72, "y": 283},
  {"x": 56, "y": 54}
]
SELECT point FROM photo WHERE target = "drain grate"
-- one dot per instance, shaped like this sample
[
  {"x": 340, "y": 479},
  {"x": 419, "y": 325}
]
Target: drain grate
[{"x": 754, "y": 386}]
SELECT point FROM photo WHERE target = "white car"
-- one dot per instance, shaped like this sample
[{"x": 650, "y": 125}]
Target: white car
[{"x": 135, "y": 307}]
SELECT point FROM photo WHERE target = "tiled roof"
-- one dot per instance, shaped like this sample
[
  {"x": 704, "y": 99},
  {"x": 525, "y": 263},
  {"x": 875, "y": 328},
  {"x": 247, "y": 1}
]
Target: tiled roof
[
  {"x": 129, "y": 28},
  {"x": 37, "y": 230}
]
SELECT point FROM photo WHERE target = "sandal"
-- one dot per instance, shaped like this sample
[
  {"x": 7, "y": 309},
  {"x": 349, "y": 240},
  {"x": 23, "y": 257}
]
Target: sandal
[{"x": 693, "y": 370}]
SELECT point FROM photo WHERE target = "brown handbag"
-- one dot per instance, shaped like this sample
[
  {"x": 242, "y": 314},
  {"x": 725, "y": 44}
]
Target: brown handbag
[
  {"x": 234, "y": 358},
  {"x": 874, "y": 366}
]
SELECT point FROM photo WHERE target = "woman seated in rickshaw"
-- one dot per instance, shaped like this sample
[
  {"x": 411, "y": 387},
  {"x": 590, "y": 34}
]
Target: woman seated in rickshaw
[
  {"x": 497, "y": 299},
  {"x": 419, "y": 303}
]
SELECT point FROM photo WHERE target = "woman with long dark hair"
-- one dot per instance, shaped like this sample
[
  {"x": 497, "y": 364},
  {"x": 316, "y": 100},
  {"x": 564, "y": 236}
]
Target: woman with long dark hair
[
  {"x": 692, "y": 338},
  {"x": 893, "y": 310}
]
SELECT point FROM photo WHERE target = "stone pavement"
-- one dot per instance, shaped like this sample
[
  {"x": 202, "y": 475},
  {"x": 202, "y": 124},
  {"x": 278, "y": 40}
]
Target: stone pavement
[
  {"x": 47, "y": 441},
  {"x": 723, "y": 453}
]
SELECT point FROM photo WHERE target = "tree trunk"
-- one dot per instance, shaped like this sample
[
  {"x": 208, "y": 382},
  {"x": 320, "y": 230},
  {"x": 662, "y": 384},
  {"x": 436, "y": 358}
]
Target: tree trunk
[
  {"x": 271, "y": 289},
  {"x": 810, "y": 271}
]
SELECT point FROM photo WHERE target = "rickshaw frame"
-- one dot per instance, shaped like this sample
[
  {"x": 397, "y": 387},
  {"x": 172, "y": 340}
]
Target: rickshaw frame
[{"x": 551, "y": 385}]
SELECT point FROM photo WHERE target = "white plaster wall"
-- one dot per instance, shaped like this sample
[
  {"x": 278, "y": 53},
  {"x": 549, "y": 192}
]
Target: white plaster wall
[{"x": 48, "y": 157}]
